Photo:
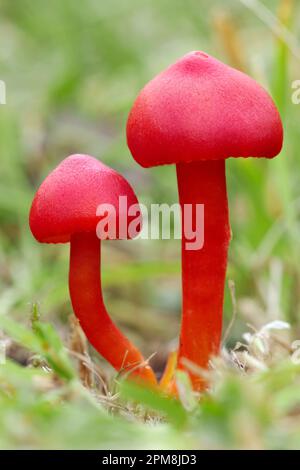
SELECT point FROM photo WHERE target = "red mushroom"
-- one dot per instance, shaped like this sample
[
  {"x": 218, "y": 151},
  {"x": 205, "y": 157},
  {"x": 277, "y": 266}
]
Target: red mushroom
[
  {"x": 196, "y": 114},
  {"x": 64, "y": 210}
]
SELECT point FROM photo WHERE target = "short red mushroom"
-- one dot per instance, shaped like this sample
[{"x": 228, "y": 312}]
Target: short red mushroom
[
  {"x": 196, "y": 114},
  {"x": 64, "y": 210}
]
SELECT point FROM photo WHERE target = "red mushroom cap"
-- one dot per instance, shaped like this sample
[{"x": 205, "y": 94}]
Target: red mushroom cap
[
  {"x": 67, "y": 200},
  {"x": 202, "y": 109}
]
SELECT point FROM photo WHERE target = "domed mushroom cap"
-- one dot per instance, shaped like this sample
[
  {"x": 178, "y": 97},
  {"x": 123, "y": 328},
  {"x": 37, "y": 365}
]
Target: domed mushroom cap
[
  {"x": 202, "y": 109},
  {"x": 67, "y": 200}
]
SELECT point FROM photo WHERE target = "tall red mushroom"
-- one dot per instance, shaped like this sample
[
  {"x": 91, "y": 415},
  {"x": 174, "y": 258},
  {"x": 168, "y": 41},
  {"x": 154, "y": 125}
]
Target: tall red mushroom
[
  {"x": 64, "y": 210},
  {"x": 196, "y": 114}
]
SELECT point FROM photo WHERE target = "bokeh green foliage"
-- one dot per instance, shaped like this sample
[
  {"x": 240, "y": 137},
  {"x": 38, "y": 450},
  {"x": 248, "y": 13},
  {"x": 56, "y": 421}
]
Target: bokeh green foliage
[{"x": 48, "y": 408}]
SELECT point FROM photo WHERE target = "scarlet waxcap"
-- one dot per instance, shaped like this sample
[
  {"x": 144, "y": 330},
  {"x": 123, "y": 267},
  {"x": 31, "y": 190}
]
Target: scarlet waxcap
[
  {"x": 202, "y": 109},
  {"x": 67, "y": 200}
]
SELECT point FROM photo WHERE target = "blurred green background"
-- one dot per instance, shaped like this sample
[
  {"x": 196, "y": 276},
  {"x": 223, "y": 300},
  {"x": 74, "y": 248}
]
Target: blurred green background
[{"x": 72, "y": 70}]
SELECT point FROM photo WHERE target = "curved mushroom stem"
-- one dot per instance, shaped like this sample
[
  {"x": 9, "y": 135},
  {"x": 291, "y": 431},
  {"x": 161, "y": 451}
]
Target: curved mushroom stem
[
  {"x": 88, "y": 306},
  {"x": 203, "y": 270}
]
